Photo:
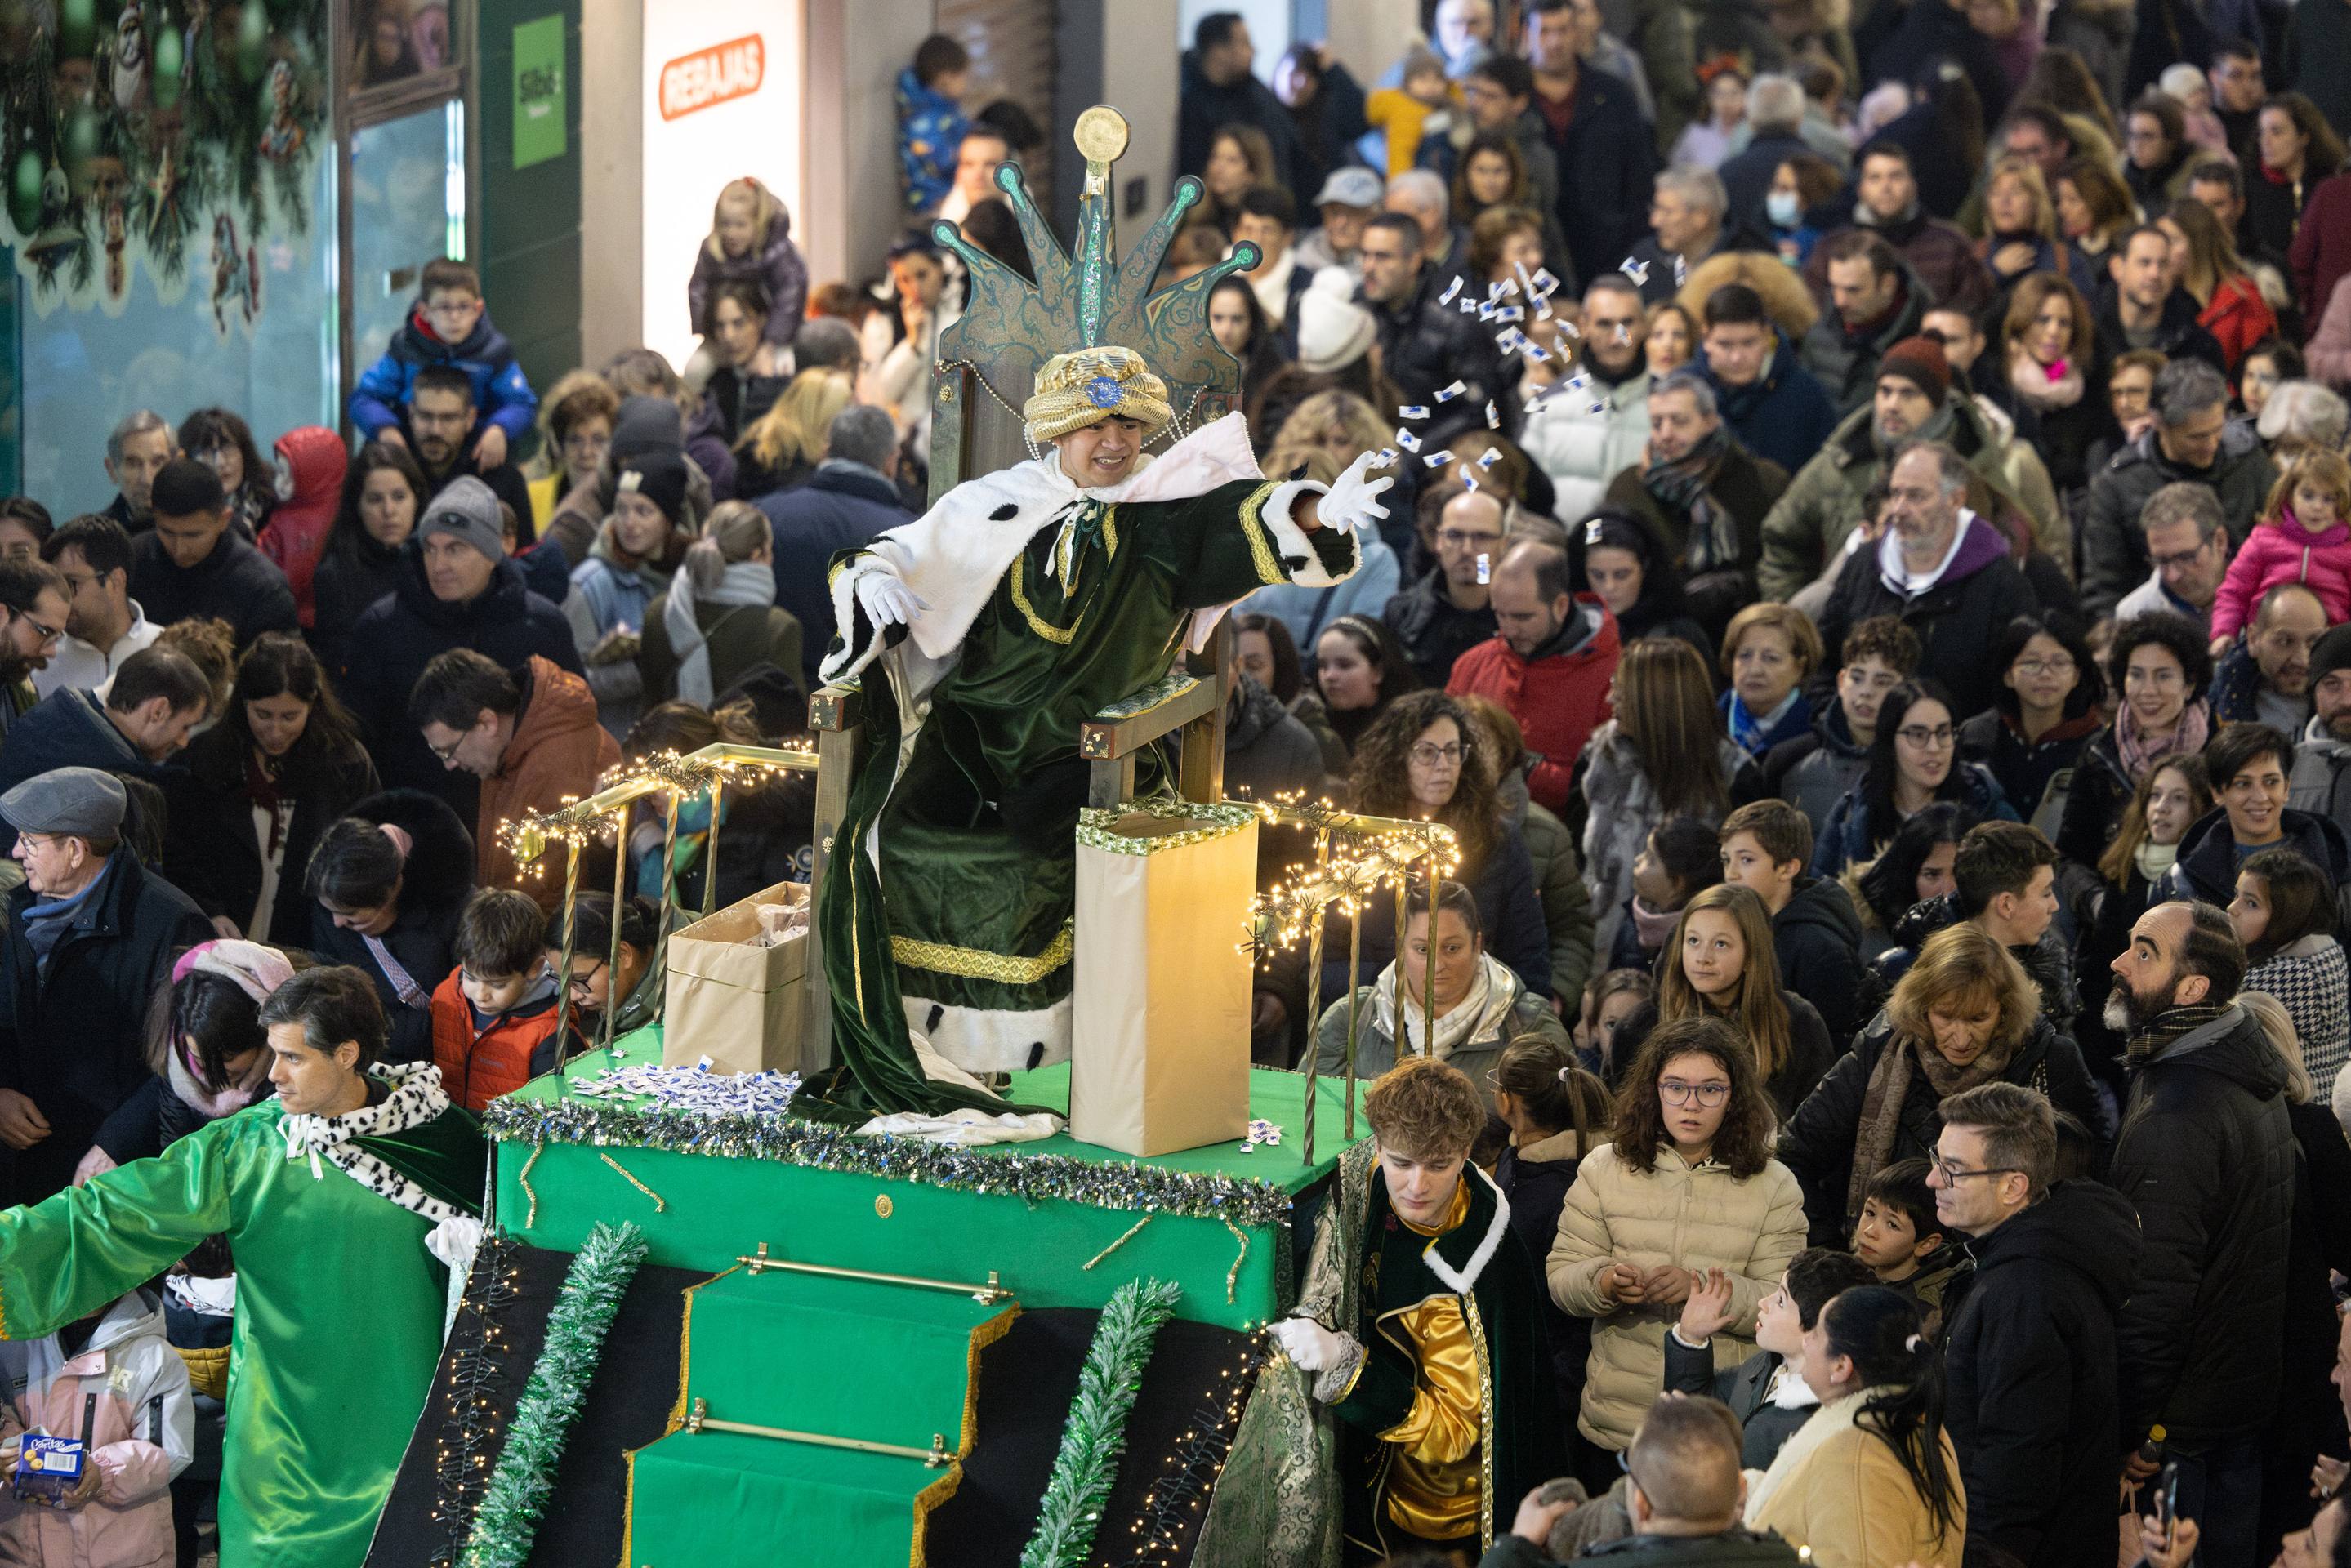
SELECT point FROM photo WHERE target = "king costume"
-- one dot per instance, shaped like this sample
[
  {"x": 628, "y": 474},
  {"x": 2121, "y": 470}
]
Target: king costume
[
  {"x": 339, "y": 1305},
  {"x": 948, "y": 934}
]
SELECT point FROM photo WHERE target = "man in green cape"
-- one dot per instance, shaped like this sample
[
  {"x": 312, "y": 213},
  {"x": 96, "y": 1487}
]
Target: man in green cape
[
  {"x": 328, "y": 1194},
  {"x": 1025, "y": 603}
]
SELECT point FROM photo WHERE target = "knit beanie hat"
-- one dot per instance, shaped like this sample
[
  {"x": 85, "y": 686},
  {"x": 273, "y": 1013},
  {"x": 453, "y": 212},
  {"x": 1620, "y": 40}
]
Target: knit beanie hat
[
  {"x": 468, "y": 509},
  {"x": 657, "y": 476},
  {"x": 2331, "y": 653},
  {"x": 1919, "y": 361},
  {"x": 1333, "y": 331}
]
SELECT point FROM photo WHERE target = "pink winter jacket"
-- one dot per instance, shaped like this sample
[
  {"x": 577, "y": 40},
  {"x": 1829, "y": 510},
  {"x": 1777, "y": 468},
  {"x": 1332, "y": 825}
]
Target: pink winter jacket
[
  {"x": 2284, "y": 551},
  {"x": 142, "y": 1434}
]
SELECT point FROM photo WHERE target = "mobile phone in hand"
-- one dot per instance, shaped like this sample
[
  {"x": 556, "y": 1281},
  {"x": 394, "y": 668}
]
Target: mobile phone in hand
[{"x": 2167, "y": 1498}]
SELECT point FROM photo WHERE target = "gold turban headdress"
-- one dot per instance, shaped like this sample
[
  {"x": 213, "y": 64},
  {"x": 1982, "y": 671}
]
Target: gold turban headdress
[{"x": 1074, "y": 390}]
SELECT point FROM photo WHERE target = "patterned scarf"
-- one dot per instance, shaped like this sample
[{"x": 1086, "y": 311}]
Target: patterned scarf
[
  {"x": 2141, "y": 752},
  {"x": 1890, "y": 1086},
  {"x": 1681, "y": 484},
  {"x": 2170, "y": 1024},
  {"x": 416, "y": 1098}
]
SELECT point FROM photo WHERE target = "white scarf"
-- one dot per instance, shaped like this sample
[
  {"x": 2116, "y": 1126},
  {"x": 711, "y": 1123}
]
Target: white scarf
[
  {"x": 416, "y": 1098},
  {"x": 743, "y": 583},
  {"x": 1475, "y": 1019}
]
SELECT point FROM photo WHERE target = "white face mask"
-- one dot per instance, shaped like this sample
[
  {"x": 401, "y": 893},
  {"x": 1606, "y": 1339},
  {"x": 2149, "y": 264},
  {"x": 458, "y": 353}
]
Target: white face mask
[
  {"x": 1784, "y": 209},
  {"x": 283, "y": 480}
]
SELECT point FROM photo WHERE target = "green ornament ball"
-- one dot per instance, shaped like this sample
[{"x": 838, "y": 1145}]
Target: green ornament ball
[
  {"x": 25, "y": 192},
  {"x": 170, "y": 58},
  {"x": 76, "y": 28},
  {"x": 81, "y": 138},
  {"x": 252, "y": 42}
]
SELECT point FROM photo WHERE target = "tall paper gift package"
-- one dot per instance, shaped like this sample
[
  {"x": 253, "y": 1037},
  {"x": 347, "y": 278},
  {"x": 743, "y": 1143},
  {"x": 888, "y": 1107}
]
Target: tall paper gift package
[
  {"x": 729, "y": 999},
  {"x": 1160, "y": 1000}
]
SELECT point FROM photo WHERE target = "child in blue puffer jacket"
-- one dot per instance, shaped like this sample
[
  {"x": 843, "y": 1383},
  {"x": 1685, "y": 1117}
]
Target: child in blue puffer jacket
[
  {"x": 449, "y": 325},
  {"x": 931, "y": 120}
]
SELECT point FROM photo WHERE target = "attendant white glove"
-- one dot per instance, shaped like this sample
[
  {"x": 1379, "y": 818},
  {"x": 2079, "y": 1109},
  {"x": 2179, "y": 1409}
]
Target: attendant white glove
[
  {"x": 1309, "y": 1347},
  {"x": 1353, "y": 502},
  {"x": 887, "y": 601}
]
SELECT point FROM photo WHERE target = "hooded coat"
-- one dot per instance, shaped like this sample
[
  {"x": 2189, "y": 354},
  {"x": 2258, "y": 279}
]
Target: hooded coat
[
  {"x": 314, "y": 459},
  {"x": 1512, "y": 1013},
  {"x": 2207, "y": 866},
  {"x": 2206, "y": 1156},
  {"x": 2321, "y": 781},
  {"x": 1819, "y": 1141},
  {"x": 2032, "y": 1362},
  {"x": 2048, "y": 962},
  {"x": 1956, "y": 619},
  {"x": 1817, "y": 937},
  {"x": 502, "y": 393},
  {"x": 2275, "y": 554},
  {"x": 1846, "y": 840},
  {"x": 1813, "y": 772},
  {"x": 1782, "y": 416},
  {"x": 401, "y": 634},
  {"x": 556, "y": 753}
]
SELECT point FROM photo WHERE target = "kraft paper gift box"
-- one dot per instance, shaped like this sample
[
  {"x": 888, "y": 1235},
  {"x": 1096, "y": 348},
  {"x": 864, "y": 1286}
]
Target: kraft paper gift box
[
  {"x": 730, "y": 1000},
  {"x": 1160, "y": 999}
]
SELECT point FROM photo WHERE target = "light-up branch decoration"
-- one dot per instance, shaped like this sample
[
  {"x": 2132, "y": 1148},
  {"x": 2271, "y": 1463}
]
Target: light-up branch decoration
[
  {"x": 674, "y": 776},
  {"x": 1355, "y": 857}
]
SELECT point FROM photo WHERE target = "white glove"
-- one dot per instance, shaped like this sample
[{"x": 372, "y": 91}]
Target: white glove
[
  {"x": 886, "y": 600},
  {"x": 1309, "y": 1347},
  {"x": 1353, "y": 502}
]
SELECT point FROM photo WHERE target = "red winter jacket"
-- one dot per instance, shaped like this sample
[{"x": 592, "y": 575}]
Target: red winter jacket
[
  {"x": 478, "y": 1064},
  {"x": 296, "y": 529},
  {"x": 1558, "y": 697}
]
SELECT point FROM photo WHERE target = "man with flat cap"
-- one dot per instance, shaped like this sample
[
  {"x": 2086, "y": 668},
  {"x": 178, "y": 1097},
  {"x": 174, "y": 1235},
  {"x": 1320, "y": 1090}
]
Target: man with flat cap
[{"x": 90, "y": 939}]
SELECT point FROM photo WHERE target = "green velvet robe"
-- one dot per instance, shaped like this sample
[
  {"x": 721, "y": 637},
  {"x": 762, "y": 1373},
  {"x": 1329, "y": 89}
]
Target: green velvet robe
[
  {"x": 338, "y": 1310},
  {"x": 967, "y": 930}
]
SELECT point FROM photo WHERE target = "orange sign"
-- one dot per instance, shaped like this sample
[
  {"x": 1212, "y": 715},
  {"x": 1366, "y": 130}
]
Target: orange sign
[{"x": 714, "y": 75}]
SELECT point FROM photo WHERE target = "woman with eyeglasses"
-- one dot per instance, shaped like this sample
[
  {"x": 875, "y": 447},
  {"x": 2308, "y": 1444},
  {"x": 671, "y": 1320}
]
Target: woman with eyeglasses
[
  {"x": 2047, "y": 707},
  {"x": 1914, "y": 762},
  {"x": 595, "y": 978},
  {"x": 1687, "y": 1185},
  {"x": 1418, "y": 761},
  {"x": 389, "y": 879},
  {"x": 1872, "y": 1478},
  {"x": 1723, "y": 966},
  {"x": 1965, "y": 1014},
  {"x": 1482, "y": 1008},
  {"x": 2159, "y": 665}
]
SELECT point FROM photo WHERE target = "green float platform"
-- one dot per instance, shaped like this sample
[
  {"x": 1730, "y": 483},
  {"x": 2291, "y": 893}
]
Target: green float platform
[{"x": 1217, "y": 1219}]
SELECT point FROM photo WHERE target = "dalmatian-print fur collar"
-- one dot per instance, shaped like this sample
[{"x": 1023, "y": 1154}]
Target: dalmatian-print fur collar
[{"x": 416, "y": 1098}]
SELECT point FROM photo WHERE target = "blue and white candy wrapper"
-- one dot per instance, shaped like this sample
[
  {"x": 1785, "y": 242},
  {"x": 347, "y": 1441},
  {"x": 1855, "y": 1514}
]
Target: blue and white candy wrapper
[
  {"x": 1261, "y": 1132},
  {"x": 695, "y": 1090}
]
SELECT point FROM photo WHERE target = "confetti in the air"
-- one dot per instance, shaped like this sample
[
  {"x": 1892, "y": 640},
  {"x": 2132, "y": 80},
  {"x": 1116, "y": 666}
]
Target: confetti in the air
[
  {"x": 1493, "y": 418},
  {"x": 1438, "y": 458},
  {"x": 1491, "y": 452},
  {"x": 1446, "y": 394},
  {"x": 1638, "y": 271},
  {"x": 1408, "y": 441},
  {"x": 1413, "y": 411},
  {"x": 1451, "y": 289}
]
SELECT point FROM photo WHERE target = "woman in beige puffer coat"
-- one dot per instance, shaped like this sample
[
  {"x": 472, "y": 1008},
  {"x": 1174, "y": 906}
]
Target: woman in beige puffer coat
[{"x": 1704, "y": 1192}]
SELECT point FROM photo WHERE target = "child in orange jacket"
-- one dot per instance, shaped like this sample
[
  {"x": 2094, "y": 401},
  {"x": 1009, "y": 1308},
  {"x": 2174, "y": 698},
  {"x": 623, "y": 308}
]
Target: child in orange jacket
[{"x": 494, "y": 1016}]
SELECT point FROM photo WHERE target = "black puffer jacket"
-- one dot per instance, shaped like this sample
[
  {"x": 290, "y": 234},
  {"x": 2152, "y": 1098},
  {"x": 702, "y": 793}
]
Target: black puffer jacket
[
  {"x": 212, "y": 852},
  {"x": 2114, "y": 545},
  {"x": 1817, "y": 1144},
  {"x": 438, "y": 880},
  {"x": 2206, "y": 1156},
  {"x": 1817, "y": 937},
  {"x": 2031, "y": 1355}
]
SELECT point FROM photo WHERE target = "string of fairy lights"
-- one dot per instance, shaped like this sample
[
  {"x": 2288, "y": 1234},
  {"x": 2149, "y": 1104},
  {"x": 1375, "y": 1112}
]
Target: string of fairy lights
[
  {"x": 473, "y": 1412},
  {"x": 1188, "y": 1477}
]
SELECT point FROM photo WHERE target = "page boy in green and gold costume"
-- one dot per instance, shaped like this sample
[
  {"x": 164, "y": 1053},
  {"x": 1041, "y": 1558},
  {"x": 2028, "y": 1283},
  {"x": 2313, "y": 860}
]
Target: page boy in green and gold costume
[
  {"x": 328, "y": 1194},
  {"x": 1023, "y": 604},
  {"x": 1441, "y": 1379}
]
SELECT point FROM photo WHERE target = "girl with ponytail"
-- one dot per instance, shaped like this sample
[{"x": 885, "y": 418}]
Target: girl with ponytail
[
  {"x": 1557, "y": 1113},
  {"x": 1873, "y": 1477},
  {"x": 717, "y": 620}
]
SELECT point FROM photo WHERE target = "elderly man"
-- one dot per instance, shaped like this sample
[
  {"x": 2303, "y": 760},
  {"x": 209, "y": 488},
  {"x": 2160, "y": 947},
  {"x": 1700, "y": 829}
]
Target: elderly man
[
  {"x": 1347, "y": 201},
  {"x": 1886, "y": 205},
  {"x": 1875, "y": 302},
  {"x": 2192, "y": 440},
  {"x": 1703, "y": 494},
  {"x": 2208, "y": 1157},
  {"x": 1940, "y": 569},
  {"x": 1595, "y": 130},
  {"x": 2147, "y": 307},
  {"x": 1771, "y": 402},
  {"x": 1450, "y": 612},
  {"x": 2188, "y": 545},
  {"x": 1807, "y": 534},
  {"x": 2265, "y": 677},
  {"x": 1775, "y": 119},
  {"x": 1425, "y": 346},
  {"x": 1551, "y": 663},
  {"x": 457, "y": 589},
  {"x": 1687, "y": 225},
  {"x": 90, "y": 941},
  {"x": 1583, "y": 438},
  {"x": 136, "y": 451}
]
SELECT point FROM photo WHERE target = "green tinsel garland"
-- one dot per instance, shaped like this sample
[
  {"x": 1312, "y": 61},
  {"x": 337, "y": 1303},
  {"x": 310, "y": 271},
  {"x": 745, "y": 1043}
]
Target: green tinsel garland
[
  {"x": 1096, "y": 1434},
  {"x": 507, "y": 1520}
]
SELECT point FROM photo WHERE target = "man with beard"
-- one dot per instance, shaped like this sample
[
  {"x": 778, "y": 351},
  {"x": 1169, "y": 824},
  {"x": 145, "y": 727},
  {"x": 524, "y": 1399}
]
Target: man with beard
[
  {"x": 33, "y": 612},
  {"x": 1448, "y": 612},
  {"x": 438, "y": 422},
  {"x": 1551, "y": 664},
  {"x": 2147, "y": 307},
  {"x": 1586, "y": 436},
  {"x": 1807, "y": 534},
  {"x": 2207, "y": 1157},
  {"x": 1886, "y": 205},
  {"x": 2320, "y": 783},
  {"x": 1704, "y": 495},
  {"x": 1875, "y": 302},
  {"x": 2265, "y": 679}
]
